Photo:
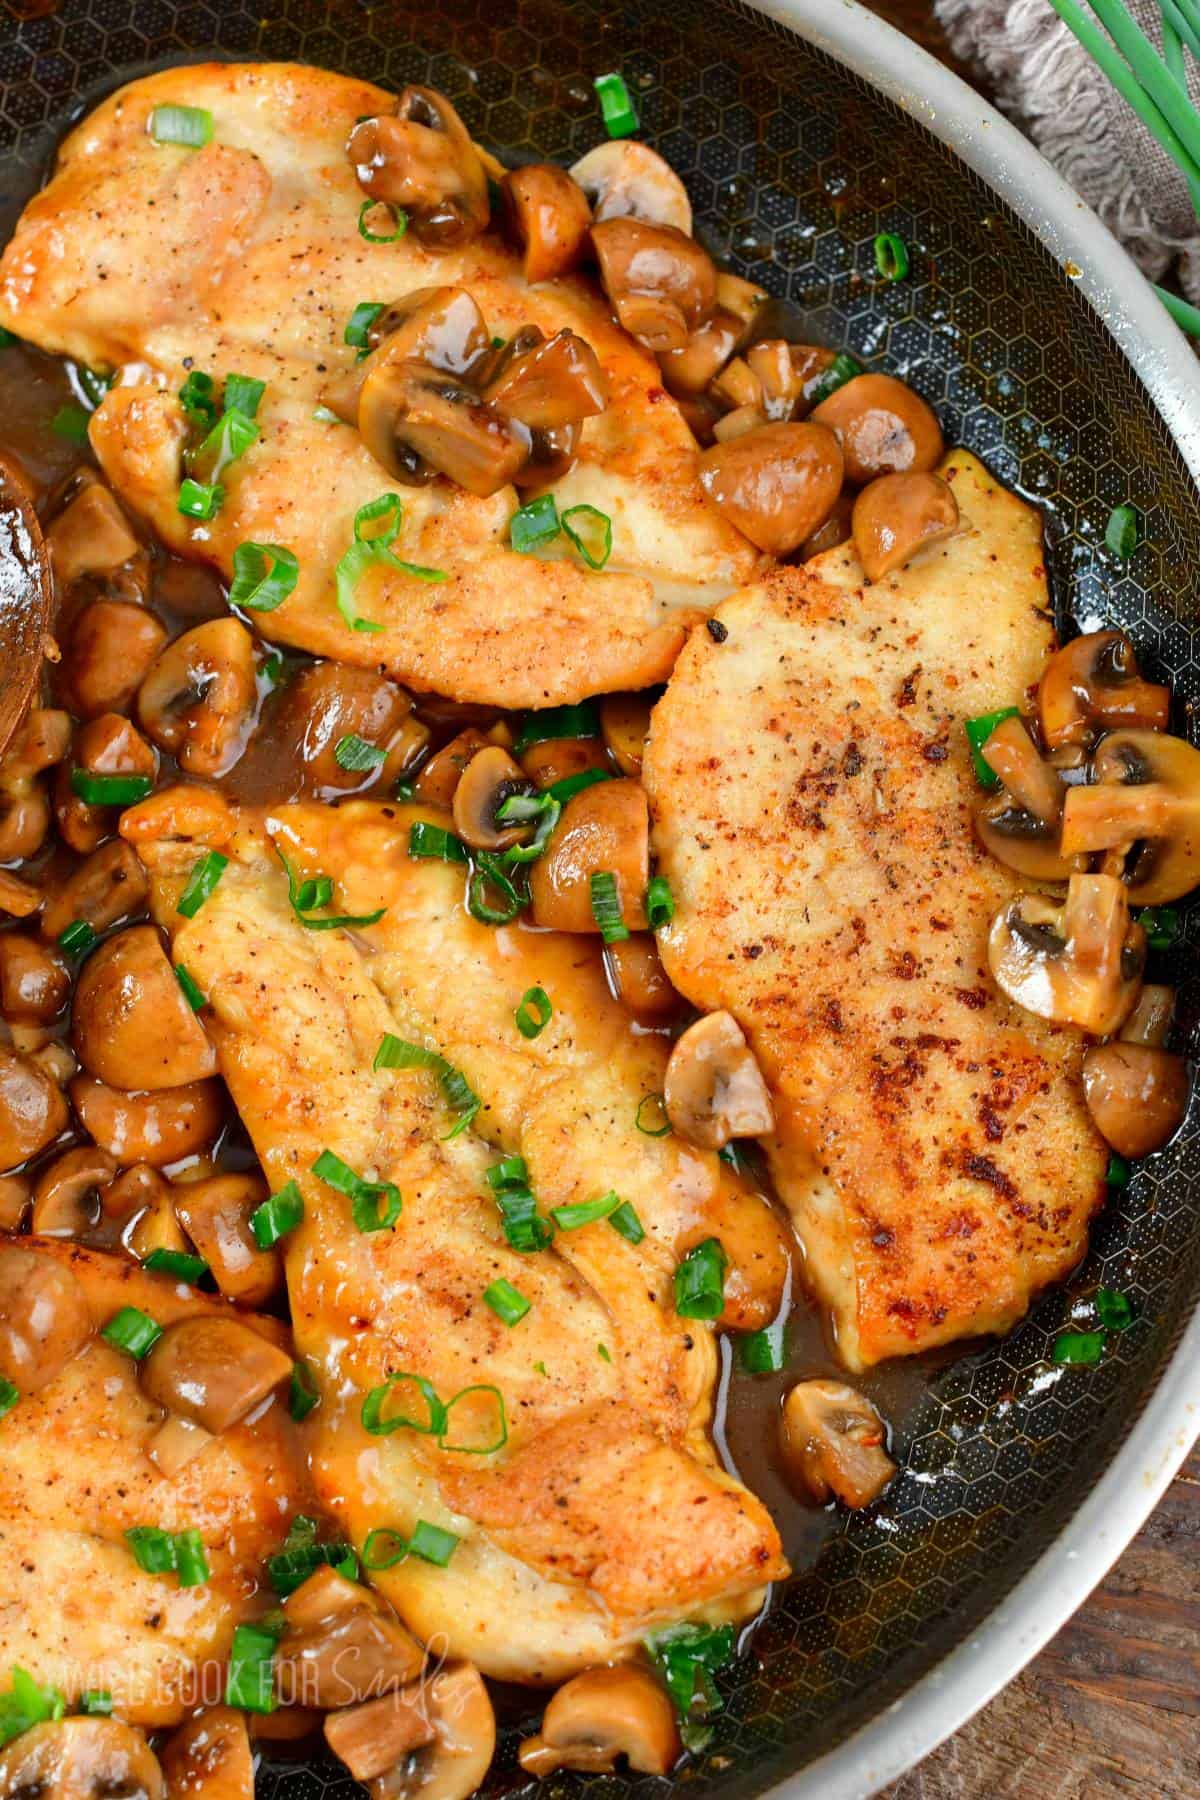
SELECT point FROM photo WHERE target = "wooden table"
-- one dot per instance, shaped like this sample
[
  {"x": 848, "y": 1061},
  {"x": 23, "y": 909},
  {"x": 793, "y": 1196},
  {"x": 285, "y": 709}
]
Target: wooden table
[{"x": 1111, "y": 1708}]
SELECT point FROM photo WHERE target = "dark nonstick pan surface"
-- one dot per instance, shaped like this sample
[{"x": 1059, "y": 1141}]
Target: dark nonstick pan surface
[{"x": 793, "y": 167}]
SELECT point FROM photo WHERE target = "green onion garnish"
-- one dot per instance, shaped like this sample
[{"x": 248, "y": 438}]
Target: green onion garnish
[
  {"x": 242, "y": 394},
  {"x": 534, "y": 524},
  {"x": 585, "y": 1212},
  {"x": 658, "y": 1112},
  {"x": 159, "y": 1552},
  {"x": 109, "y": 790},
  {"x": 303, "y": 1394},
  {"x": 178, "y": 1263},
  {"x": 1085, "y": 1347},
  {"x": 278, "y": 1215},
  {"x": 490, "y": 876},
  {"x": 94, "y": 384},
  {"x": 391, "y": 1395},
  {"x": 524, "y": 1227},
  {"x": 891, "y": 256},
  {"x": 978, "y": 731},
  {"x": 432, "y": 1544},
  {"x": 263, "y": 576},
  {"x": 1114, "y": 1310},
  {"x": 842, "y": 369},
  {"x": 229, "y": 438},
  {"x": 309, "y": 897},
  {"x": 555, "y": 722},
  {"x": 506, "y": 1302},
  {"x": 374, "y": 1205},
  {"x": 604, "y": 1353},
  {"x": 132, "y": 1331},
  {"x": 1118, "y": 1174},
  {"x": 190, "y": 1561},
  {"x": 521, "y": 809},
  {"x": 250, "y": 1683},
  {"x": 700, "y": 1282},
  {"x": 197, "y": 396},
  {"x": 191, "y": 991},
  {"x": 206, "y": 872},
  {"x": 733, "y": 1158},
  {"x": 191, "y": 126},
  {"x": 660, "y": 903},
  {"x": 383, "y": 1548},
  {"x": 77, "y": 938},
  {"x": 9, "y": 1395},
  {"x": 302, "y": 1555},
  {"x": 96, "y": 1702},
  {"x": 399, "y": 220},
  {"x": 591, "y": 533},
  {"x": 71, "y": 423},
  {"x": 395, "y": 1053},
  {"x": 1121, "y": 532},
  {"x": 199, "y": 499},
  {"x": 570, "y": 785},
  {"x": 26, "y": 1704},
  {"x": 432, "y": 842},
  {"x": 374, "y": 547},
  {"x": 616, "y": 107},
  {"x": 625, "y": 1221},
  {"x": 687, "y": 1657},
  {"x": 763, "y": 1352},
  {"x": 356, "y": 755},
  {"x": 534, "y": 1013},
  {"x": 606, "y": 907},
  {"x": 1161, "y": 925},
  {"x": 494, "y": 1441},
  {"x": 360, "y": 323}
]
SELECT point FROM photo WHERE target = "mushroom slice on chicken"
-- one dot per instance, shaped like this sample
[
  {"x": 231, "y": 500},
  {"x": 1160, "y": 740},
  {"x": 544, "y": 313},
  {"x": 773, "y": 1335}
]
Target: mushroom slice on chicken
[
  {"x": 714, "y": 1089},
  {"x": 833, "y": 1444},
  {"x": 1142, "y": 807},
  {"x": 1079, "y": 962}
]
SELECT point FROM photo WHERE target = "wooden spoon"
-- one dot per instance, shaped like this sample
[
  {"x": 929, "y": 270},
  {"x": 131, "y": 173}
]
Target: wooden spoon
[{"x": 25, "y": 598}]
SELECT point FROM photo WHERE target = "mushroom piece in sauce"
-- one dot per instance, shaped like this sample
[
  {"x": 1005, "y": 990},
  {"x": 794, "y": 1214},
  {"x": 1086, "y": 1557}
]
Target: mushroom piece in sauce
[
  {"x": 199, "y": 698},
  {"x": 884, "y": 428},
  {"x": 1020, "y": 824},
  {"x": 44, "y": 1317},
  {"x": 1079, "y": 962},
  {"x": 1137, "y": 1095},
  {"x": 1094, "y": 684},
  {"x": 661, "y": 283},
  {"x": 601, "y": 1715},
  {"x": 449, "y": 1765},
  {"x": 627, "y": 180},
  {"x": 489, "y": 779},
  {"x": 833, "y": 1444},
  {"x": 213, "y": 1370},
  {"x": 714, "y": 1090},
  {"x": 209, "y": 1757},
  {"x": 548, "y": 214},
  {"x": 1142, "y": 806},
  {"x": 421, "y": 158},
  {"x": 81, "y": 1759},
  {"x": 776, "y": 483},
  {"x": 131, "y": 1022},
  {"x": 897, "y": 515}
]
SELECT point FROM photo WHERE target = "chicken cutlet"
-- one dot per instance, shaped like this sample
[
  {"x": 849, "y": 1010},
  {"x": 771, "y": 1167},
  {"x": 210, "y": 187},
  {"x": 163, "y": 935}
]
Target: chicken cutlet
[
  {"x": 811, "y": 789},
  {"x": 153, "y": 260}
]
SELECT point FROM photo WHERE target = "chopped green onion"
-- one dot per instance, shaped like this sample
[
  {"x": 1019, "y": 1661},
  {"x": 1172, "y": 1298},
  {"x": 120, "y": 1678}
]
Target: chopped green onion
[
  {"x": 660, "y": 903},
  {"x": 263, "y": 576},
  {"x": 492, "y": 1443},
  {"x": 1085, "y": 1347},
  {"x": 733, "y": 1158},
  {"x": 763, "y": 1352},
  {"x": 489, "y": 873},
  {"x": 306, "y": 897},
  {"x": 77, "y": 938},
  {"x": 302, "y": 1555},
  {"x": 506, "y": 1302},
  {"x": 153, "y": 1549},
  {"x": 842, "y": 369},
  {"x": 96, "y": 1702},
  {"x": 978, "y": 731},
  {"x": 191, "y": 992},
  {"x": 132, "y": 1331},
  {"x": 520, "y": 809},
  {"x": 616, "y": 107},
  {"x": 432, "y": 842},
  {"x": 9, "y": 1395},
  {"x": 356, "y": 755},
  {"x": 524, "y": 1228},
  {"x": 555, "y": 722},
  {"x": 197, "y": 396},
  {"x": 206, "y": 872},
  {"x": 374, "y": 547},
  {"x": 178, "y": 1263},
  {"x": 398, "y": 217},
  {"x": 395, "y": 1053},
  {"x": 1114, "y": 1310},
  {"x": 26, "y": 1705},
  {"x": 382, "y": 1424},
  {"x": 585, "y": 1212},
  {"x": 191, "y": 126},
  {"x": 9, "y": 338},
  {"x": 625, "y": 1221},
  {"x": 71, "y": 423},
  {"x": 250, "y": 1683},
  {"x": 891, "y": 256},
  {"x": 603, "y": 1352},
  {"x": 242, "y": 394},
  {"x": 660, "y": 1130},
  {"x": 687, "y": 1657},
  {"x": 303, "y": 1394},
  {"x": 606, "y": 907},
  {"x": 1161, "y": 925},
  {"x": 109, "y": 790},
  {"x": 229, "y": 438},
  {"x": 700, "y": 1282},
  {"x": 361, "y": 321},
  {"x": 190, "y": 1561},
  {"x": 374, "y": 1205},
  {"x": 199, "y": 499},
  {"x": 1118, "y": 1173},
  {"x": 1121, "y": 532},
  {"x": 93, "y": 383},
  {"x": 534, "y": 1013},
  {"x": 591, "y": 534},
  {"x": 432, "y": 1544},
  {"x": 383, "y": 1548},
  {"x": 569, "y": 785},
  {"x": 278, "y": 1215},
  {"x": 272, "y": 668},
  {"x": 534, "y": 524}
]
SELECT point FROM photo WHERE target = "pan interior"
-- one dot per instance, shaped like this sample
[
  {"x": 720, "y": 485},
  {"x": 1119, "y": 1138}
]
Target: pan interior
[{"x": 793, "y": 167}]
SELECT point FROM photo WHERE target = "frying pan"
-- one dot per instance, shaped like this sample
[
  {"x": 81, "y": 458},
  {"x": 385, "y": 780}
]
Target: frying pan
[{"x": 802, "y": 129}]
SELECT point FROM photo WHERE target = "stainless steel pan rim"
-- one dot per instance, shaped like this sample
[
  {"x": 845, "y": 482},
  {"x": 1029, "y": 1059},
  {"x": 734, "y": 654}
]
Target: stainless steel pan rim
[{"x": 945, "y": 1698}]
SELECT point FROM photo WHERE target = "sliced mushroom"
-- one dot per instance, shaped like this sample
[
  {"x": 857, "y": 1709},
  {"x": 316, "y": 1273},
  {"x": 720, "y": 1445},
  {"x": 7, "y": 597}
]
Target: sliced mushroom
[
  {"x": 547, "y": 383},
  {"x": 158, "y": 1128},
  {"x": 108, "y": 887},
  {"x": 625, "y": 723},
  {"x": 379, "y": 1734},
  {"x": 690, "y": 370},
  {"x": 212, "y": 1370},
  {"x": 1079, "y": 962},
  {"x": 215, "y": 1213},
  {"x": 198, "y": 701},
  {"x": 1151, "y": 1019},
  {"x": 414, "y": 419},
  {"x": 661, "y": 283},
  {"x": 42, "y": 741},
  {"x": 1094, "y": 683},
  {"x": 897, "y": 515},
  {"x": 44, "y": 1318},
  {"x": 421, "y": 158},
  {"x": 882, "y": 426},
  {"x": 131, "y": 1023},
  {"x": 19, "y": 899},
  {"x": 1144, "y": 799},
  {"x": 81, "y": 1759},
  {"x": 34, "y": 981},
  {"x": 737, "y": 423},
  {"x": 836, "y": 530},
  {"x": 776, "y": 483},
  {"x": 109, "y": 745},
  {"x": 548, "y": 214},
  {"x": 437, "y": 781},
  {"x": 109, "y": 653},
  {"x": 16, "y": 1192},
  {"x": 489, "y": 779},
  {"x": 738, "y": 387},
  {"x": 556, "y": 758},
  {"x": 66, "y": 1199},
  {"x": 624, "y": 179},
  {"x": 605, "y": 827},
  {"x": 714, "y": 1090},
  {"x": 326, "y": 1595},
  {"x": 343, "y": 1644},
  {"x": 833, "y": 1443},
  {"x": 1020, "y": 824},
  {"x": 1136, "y": 1093},
  {"x": 640, "y": 982},
  {"x": 209, "y": 1757},
  {"x": 601, "y": 1715},
  {"x": 326, "y": 703},
  {"x": 439, "y": 326},
  {"x": 90, "y": 535},
  {"x": 32, "y": 1109},
  {"x": 156, "y": 1225},
  {"x": 454, "y": 1764},
  {"x": 175, "y": 1444}
]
